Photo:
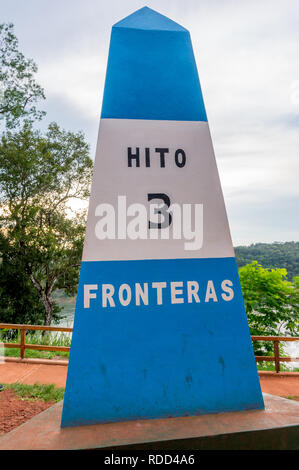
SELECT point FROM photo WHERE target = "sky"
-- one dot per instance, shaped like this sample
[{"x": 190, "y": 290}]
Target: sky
[{"x": 247, "y": 54}]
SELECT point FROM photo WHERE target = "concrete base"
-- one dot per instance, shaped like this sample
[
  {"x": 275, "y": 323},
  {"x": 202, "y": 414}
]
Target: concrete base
[{"x": 275, "y": 428}]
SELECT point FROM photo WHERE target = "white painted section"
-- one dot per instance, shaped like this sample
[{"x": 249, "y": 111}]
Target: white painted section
[{"x": 196, "y": 183}]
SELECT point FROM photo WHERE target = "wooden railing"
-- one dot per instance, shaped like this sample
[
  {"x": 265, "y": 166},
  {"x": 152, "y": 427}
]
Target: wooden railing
[
  {"x": 276, "y": 358},
  {"x": 41, "y": 347},
  {"x": 23, "y": 345}
]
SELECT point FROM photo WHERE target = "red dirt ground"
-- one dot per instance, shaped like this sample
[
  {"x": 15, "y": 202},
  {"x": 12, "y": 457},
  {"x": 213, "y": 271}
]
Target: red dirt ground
[
  {"x": 283, "y": 384},
  {"x": 15, "y": 410}
]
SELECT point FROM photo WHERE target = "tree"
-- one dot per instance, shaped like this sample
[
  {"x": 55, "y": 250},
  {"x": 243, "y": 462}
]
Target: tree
[
  {"x": 19, "y": 300},
  {"x": 271, "y": 255},
  {"x": 40, "y": 176},
  {"x": 271, "y": 303},
  {"x": 19, "y": 91}
]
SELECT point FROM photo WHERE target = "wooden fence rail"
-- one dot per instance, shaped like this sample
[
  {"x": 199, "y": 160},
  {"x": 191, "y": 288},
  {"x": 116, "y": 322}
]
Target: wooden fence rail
[
  {"x": 23, "y": 345},
  {"x": 276, "y": 358},
  {"x": 24, "y": 328}
]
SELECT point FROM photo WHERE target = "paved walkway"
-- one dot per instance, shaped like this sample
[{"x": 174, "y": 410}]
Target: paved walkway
[
  {"x": 283, "y": 384},
  {"x": 25, "y": 373}
]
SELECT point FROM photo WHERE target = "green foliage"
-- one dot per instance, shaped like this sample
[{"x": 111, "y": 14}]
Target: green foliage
[
  {"x": 40, "y": 175},
  {"x": 37, "y": 392},
  {"x": 271, "y": 255},
  {"x": 19, "y": 300},
  {"x": 19, "y": 91},
  {"x": 270, "y": 367},
  {"x": 271, "y": 303}
]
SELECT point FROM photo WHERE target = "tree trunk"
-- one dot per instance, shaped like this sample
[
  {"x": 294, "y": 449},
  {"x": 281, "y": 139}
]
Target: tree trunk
[
  {"x": 48, "y": 304},
  {"x": 46, "y": 298}
]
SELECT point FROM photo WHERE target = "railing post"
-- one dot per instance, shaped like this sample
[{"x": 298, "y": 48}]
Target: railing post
[
  {"x": 23, "y": 339},
  {"x": 276, "y": 356}
]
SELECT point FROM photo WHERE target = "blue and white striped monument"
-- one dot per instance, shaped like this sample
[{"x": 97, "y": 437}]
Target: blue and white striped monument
[{"x": 160, "y": 328}]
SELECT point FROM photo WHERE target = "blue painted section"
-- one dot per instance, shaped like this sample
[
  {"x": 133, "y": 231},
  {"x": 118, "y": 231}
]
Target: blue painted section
[
  {"x": 151, "y": 72},
  {"x": 153, "y": 361},
  {"x": 146, "y": 18}
]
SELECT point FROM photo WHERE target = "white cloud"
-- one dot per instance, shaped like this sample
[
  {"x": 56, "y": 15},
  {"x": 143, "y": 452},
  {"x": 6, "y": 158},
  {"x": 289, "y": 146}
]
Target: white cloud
[{"x": 77, "y": 79}]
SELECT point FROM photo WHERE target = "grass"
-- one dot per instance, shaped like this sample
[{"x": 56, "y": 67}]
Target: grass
[
  {"x": 270, "y": 366},
  {"x": 50, "y": 338},
  {"x": 34, "y": 354},
  {"x": 37, "y": 392},
  {"x": 293, "y": 397}
]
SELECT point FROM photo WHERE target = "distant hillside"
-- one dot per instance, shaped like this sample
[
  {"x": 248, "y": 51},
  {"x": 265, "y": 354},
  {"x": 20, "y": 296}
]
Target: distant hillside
[{"x": 271, "y": 255}]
